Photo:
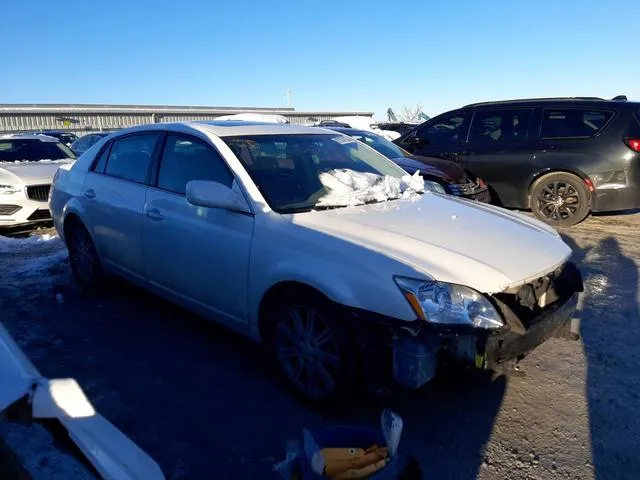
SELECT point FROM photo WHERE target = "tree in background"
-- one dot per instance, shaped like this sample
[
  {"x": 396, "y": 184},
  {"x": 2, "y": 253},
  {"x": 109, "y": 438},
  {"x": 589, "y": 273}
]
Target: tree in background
[{"x": 412, "y": 115}]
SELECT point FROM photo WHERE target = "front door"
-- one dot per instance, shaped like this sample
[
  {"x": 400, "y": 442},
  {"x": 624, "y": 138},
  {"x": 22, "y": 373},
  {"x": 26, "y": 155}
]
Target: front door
[
  {"x": 114, "y": 193},
  {"x": 200, "y": 254}
]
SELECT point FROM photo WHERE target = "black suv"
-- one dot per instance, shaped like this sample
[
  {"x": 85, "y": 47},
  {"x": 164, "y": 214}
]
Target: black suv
[{"x": 560, "y": 157}]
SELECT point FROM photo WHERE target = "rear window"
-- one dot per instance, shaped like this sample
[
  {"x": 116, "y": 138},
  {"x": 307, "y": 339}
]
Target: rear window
[
  {"x": 30, "y": 150},
  {"x": 573, "y": 122}
]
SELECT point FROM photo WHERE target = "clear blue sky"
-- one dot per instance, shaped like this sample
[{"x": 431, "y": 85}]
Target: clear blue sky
[{"x": 334, "y": 55}]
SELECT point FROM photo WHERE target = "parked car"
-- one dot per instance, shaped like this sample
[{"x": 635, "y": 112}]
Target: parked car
[
  {"x": 400, "y": 127},
  {"x": 317, "y": 246},
  {"x": 27, "y": 166},
  {"x": 562, "y": 158},
  {"x": 65, "y": 137},
  {"x": 450, "y": 176},
  {"x": 85, "y": 142},
  {"x": 363, "y": 123}
]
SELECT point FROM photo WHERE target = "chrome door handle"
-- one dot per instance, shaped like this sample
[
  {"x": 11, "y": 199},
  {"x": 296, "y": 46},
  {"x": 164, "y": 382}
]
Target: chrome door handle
[
  {"x": 89, "y": 193},
  {"x": 153, "y": 214}
]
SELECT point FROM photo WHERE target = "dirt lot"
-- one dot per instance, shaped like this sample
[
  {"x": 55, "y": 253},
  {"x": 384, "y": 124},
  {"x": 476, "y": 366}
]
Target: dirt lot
[{"x": 200, "y": 401}]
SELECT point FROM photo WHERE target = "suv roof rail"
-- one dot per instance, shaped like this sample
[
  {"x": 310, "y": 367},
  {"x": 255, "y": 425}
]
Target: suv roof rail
[
  {"x": 528, "y": 100},
  {"x": 620, "y": 98}
]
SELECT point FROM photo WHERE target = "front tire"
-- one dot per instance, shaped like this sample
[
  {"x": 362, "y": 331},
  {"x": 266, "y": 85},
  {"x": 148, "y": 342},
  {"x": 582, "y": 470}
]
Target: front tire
[
  {"x": 83, "y": 257},
  {"x": 309, "y": 345},
  {"x": 560, "y": 199}
]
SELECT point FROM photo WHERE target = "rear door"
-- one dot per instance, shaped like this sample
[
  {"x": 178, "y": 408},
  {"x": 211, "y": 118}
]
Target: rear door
[
  {"x": 201, "y": 254},
  {"x": 496, "y": 150},
  {"x": 114, "y": 194}
]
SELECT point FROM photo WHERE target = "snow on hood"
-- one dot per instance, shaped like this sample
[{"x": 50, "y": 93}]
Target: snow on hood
[
  {"x": 450, "y": 239},
  {"x": 255, "y": 117},
  {"x": 349, "y": 188},
  {"x": 25, "y": 172}
]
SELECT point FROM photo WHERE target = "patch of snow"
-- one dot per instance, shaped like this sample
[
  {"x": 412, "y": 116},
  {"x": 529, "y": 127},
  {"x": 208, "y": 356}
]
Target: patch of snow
[
  {"x": 349, "y": 188},
  {"x": 34, "y": 446},
  {"x": 9, "y": 244},
  {"x": 255, "y": 117}
]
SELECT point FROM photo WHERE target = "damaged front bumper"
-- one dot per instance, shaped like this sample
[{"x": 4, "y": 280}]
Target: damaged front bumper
[{"x": 533, "y": 313}]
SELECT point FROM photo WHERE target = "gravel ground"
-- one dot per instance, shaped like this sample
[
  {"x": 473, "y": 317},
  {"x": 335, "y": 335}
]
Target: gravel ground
[{"x": 200, "y": 400}]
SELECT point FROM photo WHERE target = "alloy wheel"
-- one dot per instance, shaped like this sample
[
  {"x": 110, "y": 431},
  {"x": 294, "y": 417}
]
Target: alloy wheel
[
  {"x": 558, "y": 201},
  {"x": 307, "y": 351},
  {"x": 82, "y": 255}
]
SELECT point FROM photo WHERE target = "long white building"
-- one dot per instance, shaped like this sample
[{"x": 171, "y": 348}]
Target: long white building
[{"x": 82, "y": 119}]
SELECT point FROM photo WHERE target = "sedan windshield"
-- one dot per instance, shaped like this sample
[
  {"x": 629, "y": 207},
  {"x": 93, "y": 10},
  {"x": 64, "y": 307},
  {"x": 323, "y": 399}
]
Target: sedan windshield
[
  {"x": 297, "y": 173},
  {"x": 30, "y": 150},
  {"x": 380, "y": 144}
]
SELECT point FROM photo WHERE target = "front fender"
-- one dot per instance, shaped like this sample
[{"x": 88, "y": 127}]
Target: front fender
[{"x": 340, "y": 282}]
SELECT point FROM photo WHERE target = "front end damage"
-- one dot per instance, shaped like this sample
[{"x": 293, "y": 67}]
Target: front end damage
[{"x": 412, "y": 353}]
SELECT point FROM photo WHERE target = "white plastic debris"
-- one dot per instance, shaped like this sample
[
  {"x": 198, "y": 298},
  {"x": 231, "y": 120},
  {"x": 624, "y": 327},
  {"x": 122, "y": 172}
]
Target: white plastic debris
[
  {"x": 392, "y": 430},
  {"x": 349, "y": 188}
]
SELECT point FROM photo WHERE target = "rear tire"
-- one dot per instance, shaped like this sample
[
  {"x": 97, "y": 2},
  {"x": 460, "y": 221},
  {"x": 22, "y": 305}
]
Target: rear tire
[
  {"x": 560, "y": 199},
  {"x": 308, "y": 343},
  {"x": 83, "y": 257}
]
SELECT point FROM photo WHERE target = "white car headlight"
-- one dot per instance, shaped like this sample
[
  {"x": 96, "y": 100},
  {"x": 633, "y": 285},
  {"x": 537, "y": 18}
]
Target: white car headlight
[
  {"x": 9, "y": 189},
  {"x": 433, "y": 186},
  {"x": 449, "y": 304}
]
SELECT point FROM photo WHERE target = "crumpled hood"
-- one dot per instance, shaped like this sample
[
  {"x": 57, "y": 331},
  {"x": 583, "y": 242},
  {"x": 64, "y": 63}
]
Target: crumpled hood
[
  {"x": 450, "y": 239},
  {"x": 28, "y": 172}
]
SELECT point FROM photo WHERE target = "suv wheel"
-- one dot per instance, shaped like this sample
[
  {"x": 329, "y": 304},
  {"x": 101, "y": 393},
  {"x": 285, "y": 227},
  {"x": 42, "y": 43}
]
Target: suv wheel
[
  {"x": 83, "y": 256},
  {"x": 560, "y": 199},
  {"x": 310, "y": 347}
]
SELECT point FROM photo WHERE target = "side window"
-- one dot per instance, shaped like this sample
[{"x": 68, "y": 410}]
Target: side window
[
  {"x": 499, "y": 126},
  {"x": 185, "y": 159},
  {"x": 98, "y": 167},
  {"x": 82, "y": 144},
  {"x": 573, "y": 122},
  {"x": 445, "y": 130},
  {"x": 130, "y": 157}
]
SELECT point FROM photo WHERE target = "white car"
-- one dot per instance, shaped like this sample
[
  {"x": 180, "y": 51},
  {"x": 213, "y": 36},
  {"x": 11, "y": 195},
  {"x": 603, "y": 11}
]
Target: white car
[
  {"x": 317, "y": 246},
  {"x": 27, "y": 166},
  {"x": 367, "y": 123}
]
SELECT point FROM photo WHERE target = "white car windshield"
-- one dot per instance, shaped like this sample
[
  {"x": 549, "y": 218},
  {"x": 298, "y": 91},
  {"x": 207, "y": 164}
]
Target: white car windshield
[
  {"x": 297, "y": 173},
  {"x": 31, "y": 150}
]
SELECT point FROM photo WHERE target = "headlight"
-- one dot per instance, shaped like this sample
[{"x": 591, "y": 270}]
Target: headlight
[
  {"x": 9, "y": 189},
  {"x": 449, "y": 304},
  {"x": 434, "y": 186}
]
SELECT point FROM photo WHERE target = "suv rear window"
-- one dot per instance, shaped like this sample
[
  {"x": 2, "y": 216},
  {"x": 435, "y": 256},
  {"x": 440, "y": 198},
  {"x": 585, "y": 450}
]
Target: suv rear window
[{"x": 573, "y": 122}]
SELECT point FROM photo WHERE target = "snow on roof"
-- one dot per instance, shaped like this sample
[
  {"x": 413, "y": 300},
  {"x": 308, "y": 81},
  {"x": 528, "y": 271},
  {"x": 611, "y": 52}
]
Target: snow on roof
[{"x": 29, "y": 136}]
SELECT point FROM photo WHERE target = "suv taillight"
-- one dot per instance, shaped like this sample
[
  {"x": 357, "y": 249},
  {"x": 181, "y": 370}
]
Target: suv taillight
[{"x": 633, "y": 144}]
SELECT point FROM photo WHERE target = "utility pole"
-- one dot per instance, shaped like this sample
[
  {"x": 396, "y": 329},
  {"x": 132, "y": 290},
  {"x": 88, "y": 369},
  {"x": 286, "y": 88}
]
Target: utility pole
[{"x": 289, "y": 98}]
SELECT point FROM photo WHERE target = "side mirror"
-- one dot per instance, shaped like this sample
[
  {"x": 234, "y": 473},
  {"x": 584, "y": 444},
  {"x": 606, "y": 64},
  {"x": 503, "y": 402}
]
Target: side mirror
[
  {"x": 205, "y": 193},
  {"x": 417, "y": 141}
]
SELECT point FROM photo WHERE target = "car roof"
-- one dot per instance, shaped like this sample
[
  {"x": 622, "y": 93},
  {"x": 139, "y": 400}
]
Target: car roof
[
  {"x": 576, "y": 101},
  {"x": 230, "y": 128},
  {"x": 352, "y": 131},
  {"x": 29, "y": 136}
]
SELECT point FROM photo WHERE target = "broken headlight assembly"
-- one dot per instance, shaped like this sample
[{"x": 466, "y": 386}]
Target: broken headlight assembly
[{"x": 449, "y": 304}]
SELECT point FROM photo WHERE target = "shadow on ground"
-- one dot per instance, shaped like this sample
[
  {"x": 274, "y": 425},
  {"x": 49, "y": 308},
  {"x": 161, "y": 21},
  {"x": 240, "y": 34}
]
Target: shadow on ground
[
  {"x": 612, "y": 359},
  {"x": 200, "y": 399}
]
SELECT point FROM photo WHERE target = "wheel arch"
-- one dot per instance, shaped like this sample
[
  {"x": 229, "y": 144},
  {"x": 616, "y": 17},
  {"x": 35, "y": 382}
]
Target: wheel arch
[
  {"x": 548, "y": 171},
  {"x": 280, "y": 289}
]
